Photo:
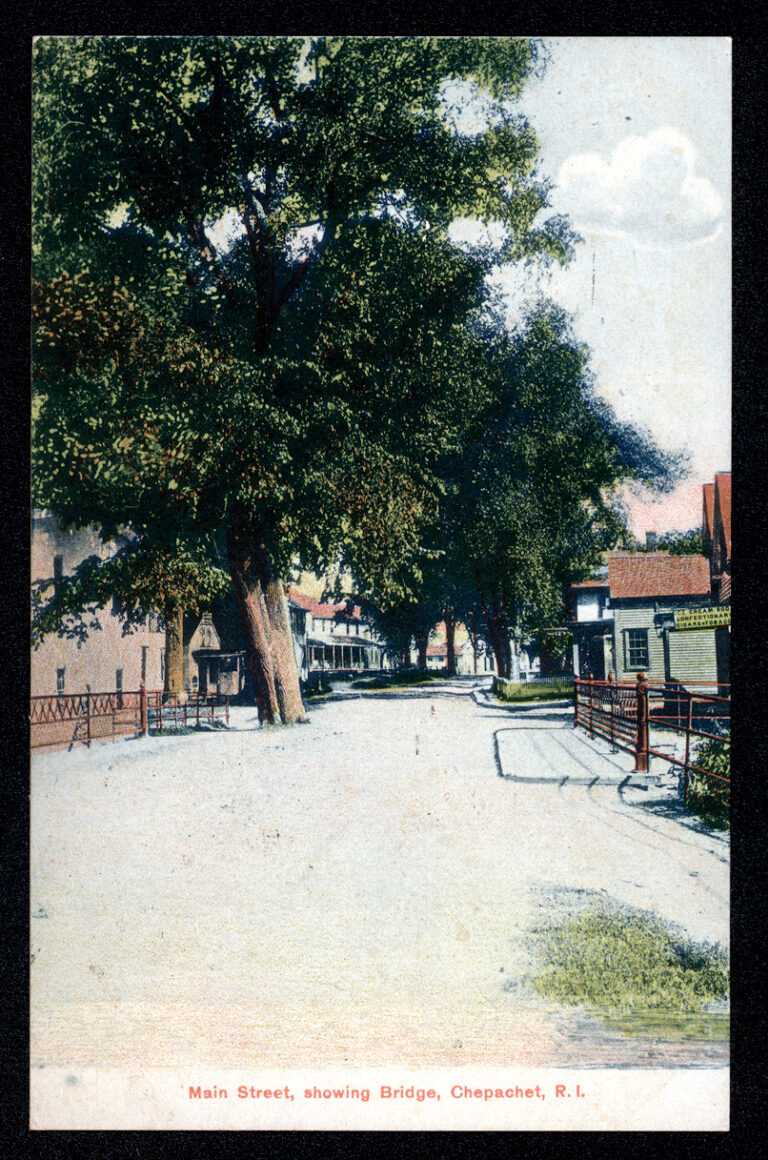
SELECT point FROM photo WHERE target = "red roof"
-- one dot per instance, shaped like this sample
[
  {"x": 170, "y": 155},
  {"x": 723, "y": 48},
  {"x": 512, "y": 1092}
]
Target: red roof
[
  {"x": 590, "y": 584},
  {"x": 709, "y": 510},
  {"x": 656, "y": 574},
  {"x": 723, "y": 489},
  {"x": 341, "y": 611},
  {"x": 441, "y": 650}
]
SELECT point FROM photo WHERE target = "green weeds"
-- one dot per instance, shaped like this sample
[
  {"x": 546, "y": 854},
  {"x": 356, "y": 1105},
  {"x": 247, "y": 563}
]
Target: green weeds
[
  {"x": 554, "y": 690},
  {"x": 634, "y": 970},
  {"x": 708, "y": 798}
]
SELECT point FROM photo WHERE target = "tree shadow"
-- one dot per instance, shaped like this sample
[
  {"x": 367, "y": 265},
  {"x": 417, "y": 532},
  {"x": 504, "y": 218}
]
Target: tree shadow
[{"x": 672, "y": 808}]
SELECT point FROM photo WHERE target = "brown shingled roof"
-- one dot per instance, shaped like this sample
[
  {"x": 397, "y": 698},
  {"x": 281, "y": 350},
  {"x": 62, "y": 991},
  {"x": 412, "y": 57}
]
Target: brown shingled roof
[{"x": 656, "y": 574}]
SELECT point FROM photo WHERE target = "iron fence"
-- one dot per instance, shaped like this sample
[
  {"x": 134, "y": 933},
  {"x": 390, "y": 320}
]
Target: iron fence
[
  {"x": 630, "y": 715},
  {"x": 68, "y": 719}
]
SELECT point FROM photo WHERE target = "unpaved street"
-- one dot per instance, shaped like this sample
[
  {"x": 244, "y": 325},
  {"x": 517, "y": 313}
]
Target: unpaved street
[{"x": 355, "y": 890}]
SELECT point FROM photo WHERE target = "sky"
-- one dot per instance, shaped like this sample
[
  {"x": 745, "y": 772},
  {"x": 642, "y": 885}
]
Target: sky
[
  {"x": 635, "y": 134},
  {"x": 635, "y": 137}
]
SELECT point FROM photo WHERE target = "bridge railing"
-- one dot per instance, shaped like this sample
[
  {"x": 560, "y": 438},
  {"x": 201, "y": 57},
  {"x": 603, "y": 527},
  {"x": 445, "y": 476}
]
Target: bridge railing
[{"x": 631, "y": 715}]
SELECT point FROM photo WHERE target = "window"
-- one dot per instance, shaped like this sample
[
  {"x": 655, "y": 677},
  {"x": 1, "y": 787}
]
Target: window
[
  {"x": 60, "y": 675},
  {"x": 58, "y": 568},
  {"x": 144, "y": 651},
  {"x": 119, "y": 680},
  {"x": 162, "y": 665},
  {"x": 637, "y": 648}
]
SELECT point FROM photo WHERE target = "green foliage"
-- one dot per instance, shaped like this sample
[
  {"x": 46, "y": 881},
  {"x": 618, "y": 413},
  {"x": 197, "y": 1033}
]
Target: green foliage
[
  {"x": 690, "y": 543},
  {"x": 140, "y": 581},
  {"x": 552, "y": 690},
  {"x": 407, "y": 678},
  {"x": 533, "y": 500},
  {"x": 197, "y": 347},
  {"x": 629, "y": 962},
  {"x": 709, "y": 798},
  {"x": 246, "y": 301}
]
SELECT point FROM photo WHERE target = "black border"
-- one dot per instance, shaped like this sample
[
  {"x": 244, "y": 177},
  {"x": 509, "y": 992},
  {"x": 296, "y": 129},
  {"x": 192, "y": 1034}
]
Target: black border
[{"x": 750, "y": 410}]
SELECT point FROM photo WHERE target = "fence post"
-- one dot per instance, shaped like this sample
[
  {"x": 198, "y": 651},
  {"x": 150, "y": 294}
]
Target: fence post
[
  {"x": 227, "y": 704},
  {"x": 197, "y": 709},
  {"x": 575, "y": 700},
  {"x": 144, "y": 724},
  {"x": 641, "y": 739},
  {"x": 611, "y": 702},
  {"x": 88, "y": 715},
  {"x": 159, "y": 712},
  {"x": 213, "y": 708},
  {"x": 591, "y": 707},
  {"x": 184, "y": 712},
  {"x": 688, "y": 723}
]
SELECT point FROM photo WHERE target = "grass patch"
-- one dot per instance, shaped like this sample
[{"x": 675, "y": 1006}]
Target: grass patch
[
  {"x": 708, "y": 798},
  {"x": 554, "y": 690},
  {"x": 409, "y": 677},
  {"x": 636, "y": 971},
  {"x": 186, "y": 730}
]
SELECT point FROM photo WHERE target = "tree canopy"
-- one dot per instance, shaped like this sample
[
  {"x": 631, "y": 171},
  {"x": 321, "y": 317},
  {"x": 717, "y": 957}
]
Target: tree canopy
[
  {"x": 251, "y": 322},
  {"x": 204, "y": 208}
]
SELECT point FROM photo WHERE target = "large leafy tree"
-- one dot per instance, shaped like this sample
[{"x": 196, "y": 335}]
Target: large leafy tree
[
  {"x": 228, "y": 193},
  {"x": 535, "y": 487},
  {"x": 530, "y": 494}
]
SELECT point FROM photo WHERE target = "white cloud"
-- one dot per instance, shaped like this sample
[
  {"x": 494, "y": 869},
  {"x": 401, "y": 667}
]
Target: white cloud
[{"x": 649, "y": 190}]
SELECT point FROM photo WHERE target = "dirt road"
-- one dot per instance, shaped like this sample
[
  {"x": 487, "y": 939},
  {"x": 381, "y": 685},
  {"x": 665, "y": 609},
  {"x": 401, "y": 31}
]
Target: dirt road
[{"x": 356, "y": 890}]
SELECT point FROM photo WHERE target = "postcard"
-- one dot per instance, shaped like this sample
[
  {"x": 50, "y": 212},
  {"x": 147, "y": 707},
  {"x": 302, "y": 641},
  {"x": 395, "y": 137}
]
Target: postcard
[{"x": 381, "y": 583}]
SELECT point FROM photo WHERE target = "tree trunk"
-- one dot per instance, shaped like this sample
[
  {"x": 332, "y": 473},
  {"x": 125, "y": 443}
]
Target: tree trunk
[
  {"x": 407, "y": 654},
  {"x": 474, "y": 642},
  {"x": 450, "y": 643},
  {"x": 174, "y": 652},
  {"x": 498, "y": 632},
  {"x": 244, "y": 567},
  {"x": 284, "y": 657},
  {"x": 421, "y": 646}
]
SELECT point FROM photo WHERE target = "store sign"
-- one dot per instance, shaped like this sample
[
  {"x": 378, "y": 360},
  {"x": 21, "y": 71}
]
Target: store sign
[{"x": 703, "y": 618}]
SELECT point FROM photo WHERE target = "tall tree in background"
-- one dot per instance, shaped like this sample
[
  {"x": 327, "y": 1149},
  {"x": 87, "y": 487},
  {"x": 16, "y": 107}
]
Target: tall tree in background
[
  {"x": 210, "y": 183},
  {"x": 534, "y": 498}
]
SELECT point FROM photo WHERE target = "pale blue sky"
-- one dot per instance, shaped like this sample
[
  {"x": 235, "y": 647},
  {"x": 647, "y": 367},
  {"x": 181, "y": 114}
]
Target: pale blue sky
[{"x": 635, "y": 133}]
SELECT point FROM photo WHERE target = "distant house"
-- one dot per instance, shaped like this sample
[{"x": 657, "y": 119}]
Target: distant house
[
  {"x": 650, "y": 613},
  {"x": 716, "y": 533},
  {"x": 437, "y": 657},
  {"x": 592, "y": 627},
  {"x": 338, "y": 637}
]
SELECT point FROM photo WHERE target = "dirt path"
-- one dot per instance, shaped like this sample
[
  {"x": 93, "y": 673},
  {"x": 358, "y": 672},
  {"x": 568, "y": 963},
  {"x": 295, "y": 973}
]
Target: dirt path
[{"x": 353, "y": 891}]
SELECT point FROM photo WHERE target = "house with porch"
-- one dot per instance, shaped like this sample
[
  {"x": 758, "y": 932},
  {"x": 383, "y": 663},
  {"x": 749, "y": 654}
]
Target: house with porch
[{"x": 338, "y": 637}]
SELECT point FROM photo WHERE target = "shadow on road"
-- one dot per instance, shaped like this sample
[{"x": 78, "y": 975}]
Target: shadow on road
[{"x": 671, "y": 807}]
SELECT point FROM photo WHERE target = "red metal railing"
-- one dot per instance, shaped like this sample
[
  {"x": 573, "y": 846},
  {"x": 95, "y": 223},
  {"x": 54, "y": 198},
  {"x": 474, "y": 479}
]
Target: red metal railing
[
  {"x": 72, "y": 718},
  {"x": 630, "y": 714},
  {"x": 174, "y": 710}
]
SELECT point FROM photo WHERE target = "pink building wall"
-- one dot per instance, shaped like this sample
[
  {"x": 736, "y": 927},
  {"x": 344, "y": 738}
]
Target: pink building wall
[{"x": 106, "y": 650}]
